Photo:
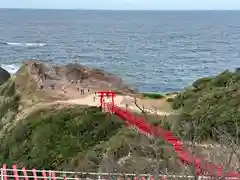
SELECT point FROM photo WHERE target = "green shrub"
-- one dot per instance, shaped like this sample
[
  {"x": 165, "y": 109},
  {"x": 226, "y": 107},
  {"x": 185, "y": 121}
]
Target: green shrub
[
  {"x": 201, "y": 83},
  {"x": 153, "y": 95}
]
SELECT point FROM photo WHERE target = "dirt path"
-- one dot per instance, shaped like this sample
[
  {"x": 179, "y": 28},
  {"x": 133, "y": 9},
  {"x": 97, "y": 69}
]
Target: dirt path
[
  {"x": 92, "y": 100},
  {"x": 120, "y": 101}
]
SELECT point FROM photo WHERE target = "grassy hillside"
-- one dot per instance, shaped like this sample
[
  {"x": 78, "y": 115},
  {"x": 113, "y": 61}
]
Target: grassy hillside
[
  {"x": 212, "y": 106},
  {"x": 81, "y": 139},
  {"x": 9, "y": 102},
  {"x": 50, "y": 138}
]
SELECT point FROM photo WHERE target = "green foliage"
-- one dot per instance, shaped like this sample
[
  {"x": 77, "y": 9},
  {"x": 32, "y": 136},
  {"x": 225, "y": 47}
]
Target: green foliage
[
  {"x": 119, "y": 93},
  {"x": 212, "y": 105},
  {"x": 9, "y": 102},
  {"x": 201, "y": 83},
  {"x": 50, "y": 139},
  {"x": 153, "y": 95}
]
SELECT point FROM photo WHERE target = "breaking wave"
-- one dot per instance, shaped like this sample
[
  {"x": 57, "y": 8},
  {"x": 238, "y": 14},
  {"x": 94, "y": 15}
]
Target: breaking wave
[
  {"x": 24, "y": 44},
  {"x": 11, "y": 68}
]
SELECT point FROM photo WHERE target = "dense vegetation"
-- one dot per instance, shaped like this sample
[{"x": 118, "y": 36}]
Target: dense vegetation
[
  {"x": 50, "y": 138},
  {"x": 212, "y": 106},
  {"x": 81, "y": 139},
  {"x": 9, "y": 102}
]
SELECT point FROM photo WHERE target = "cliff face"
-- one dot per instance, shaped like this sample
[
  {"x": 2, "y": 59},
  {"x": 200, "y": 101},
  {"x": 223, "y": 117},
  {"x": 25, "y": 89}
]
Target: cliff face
[
  {"x": 4, "y": 76},
  {"x": 65, "y": 82}
]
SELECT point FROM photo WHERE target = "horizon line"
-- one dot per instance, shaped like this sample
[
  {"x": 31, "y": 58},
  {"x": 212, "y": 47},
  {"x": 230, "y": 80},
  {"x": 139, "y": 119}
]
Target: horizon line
[{"x": 85, "y": 9}]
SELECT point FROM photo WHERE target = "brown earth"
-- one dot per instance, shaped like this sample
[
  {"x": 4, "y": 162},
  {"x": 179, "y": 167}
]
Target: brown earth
[
  {"x": 63, "y": 85},
  {"x": 66, "y": 82}
]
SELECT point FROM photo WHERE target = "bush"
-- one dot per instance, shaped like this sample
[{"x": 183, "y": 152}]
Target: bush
[
  {"x": 201, "y": 83},
  {"x": 153, "y": 95}
]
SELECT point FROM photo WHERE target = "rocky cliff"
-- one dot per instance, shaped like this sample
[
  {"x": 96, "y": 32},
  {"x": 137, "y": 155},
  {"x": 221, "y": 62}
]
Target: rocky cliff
[
  {"x": 4, "y": 76},
  {"x": 40, "y": 81}
]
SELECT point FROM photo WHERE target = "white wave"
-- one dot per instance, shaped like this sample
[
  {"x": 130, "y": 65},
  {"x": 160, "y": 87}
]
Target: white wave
[
  {"x": 25, "y": 44},
  {"x": 11, "y": 68},
  {"x": 14, "y": 44},
  {"x": 35, "y": 44}
]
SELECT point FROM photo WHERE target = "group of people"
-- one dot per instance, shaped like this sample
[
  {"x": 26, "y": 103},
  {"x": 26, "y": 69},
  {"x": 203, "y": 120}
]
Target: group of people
[{"x": 43, "y": 77}]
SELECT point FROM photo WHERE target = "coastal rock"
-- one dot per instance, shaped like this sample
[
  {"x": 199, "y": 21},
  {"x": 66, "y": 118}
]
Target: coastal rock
[
  {"x": 65, "y": 82},
  {"x": 4, "y": 76}
]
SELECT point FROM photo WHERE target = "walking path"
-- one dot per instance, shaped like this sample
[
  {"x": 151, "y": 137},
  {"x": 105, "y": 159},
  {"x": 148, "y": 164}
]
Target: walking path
[{"x": 91, "y": 100}]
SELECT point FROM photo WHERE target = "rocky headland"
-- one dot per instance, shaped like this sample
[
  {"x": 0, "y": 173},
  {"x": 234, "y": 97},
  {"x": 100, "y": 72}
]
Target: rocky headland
[{"x": 48, "y": 122}]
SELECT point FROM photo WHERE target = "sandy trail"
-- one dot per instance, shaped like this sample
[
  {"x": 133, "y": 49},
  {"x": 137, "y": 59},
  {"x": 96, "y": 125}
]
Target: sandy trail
[
  {"x": 119, "y": 100},
  {"x": 92, "y": 100}
]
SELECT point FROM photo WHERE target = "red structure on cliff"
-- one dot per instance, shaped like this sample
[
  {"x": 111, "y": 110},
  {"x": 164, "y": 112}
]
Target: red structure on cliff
[{"x": 106, "y": 94}]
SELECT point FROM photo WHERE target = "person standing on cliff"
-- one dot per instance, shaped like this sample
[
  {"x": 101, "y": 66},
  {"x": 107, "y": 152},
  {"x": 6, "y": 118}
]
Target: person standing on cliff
[
  {"x": 64, "y": 89},
  {"x": 45, "y": 76},
  {"x": 40, "y": 81}
]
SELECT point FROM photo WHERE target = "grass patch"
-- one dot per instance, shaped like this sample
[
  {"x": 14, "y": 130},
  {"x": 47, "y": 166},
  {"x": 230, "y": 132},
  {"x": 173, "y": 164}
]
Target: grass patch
[
  {"x": 119, "y": 93},
  {"x": 153, "y": 95}
]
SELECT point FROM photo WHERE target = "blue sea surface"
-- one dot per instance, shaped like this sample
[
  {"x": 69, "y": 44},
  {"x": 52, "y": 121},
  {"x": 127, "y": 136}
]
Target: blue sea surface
[{"x": 153, "y": 51}]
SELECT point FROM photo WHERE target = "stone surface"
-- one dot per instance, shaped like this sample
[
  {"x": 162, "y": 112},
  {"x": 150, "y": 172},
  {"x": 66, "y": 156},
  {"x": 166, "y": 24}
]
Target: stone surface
[
  {"x": 68, "y": 81},
  {"x": 4, "y": 76}
]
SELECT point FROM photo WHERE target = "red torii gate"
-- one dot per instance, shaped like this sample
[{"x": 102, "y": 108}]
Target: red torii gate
[{"x": 106, "y": 94}]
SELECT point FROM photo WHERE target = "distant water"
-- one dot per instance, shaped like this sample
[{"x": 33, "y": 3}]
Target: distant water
[{"x": 152, "y": 51}]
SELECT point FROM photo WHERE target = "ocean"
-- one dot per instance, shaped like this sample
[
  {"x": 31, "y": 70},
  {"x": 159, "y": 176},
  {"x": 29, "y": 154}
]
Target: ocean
[{"x": 153, "y": 51}]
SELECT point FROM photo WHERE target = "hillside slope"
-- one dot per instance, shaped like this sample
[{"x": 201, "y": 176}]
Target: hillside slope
[
  {"x": 78, "y": 137},
  {"x": 82, "y": 139},
  {"x": 212, "y": 107}
]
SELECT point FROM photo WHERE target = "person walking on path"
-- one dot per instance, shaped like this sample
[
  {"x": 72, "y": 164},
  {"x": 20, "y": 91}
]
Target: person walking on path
[{"x": 94, "y": 97}]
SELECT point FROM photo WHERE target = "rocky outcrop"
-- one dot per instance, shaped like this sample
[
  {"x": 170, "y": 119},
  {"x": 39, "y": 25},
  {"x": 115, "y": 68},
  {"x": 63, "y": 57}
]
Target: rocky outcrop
[
  {"x": 4, "y": 76},
  {"x": 65, "y": 82}
]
